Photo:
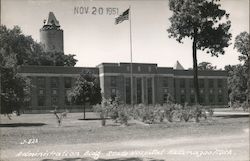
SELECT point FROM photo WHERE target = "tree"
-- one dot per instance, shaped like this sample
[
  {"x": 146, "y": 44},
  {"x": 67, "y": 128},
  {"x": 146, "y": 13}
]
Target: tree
[
  {"x": 15, "y": 91},
  {"x": 237, "y": 83},
  {"x": 16, "y": 49},
  {"x": 28, "y": 52},
  {"x": 52, "y": 59},
  {"x": 200, "y": 21},
  {"x": 242, "y": 46},
  {"x": 86, "y": 90},
  {"x": 206, "y": 66}
]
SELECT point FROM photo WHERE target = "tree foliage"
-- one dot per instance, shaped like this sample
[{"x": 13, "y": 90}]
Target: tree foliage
[
  {"x": 28, "y": 52},
  {"x": 205, "y": 23},
  {"x": 16, "y": 49},
  {"x": 242, "y": 46},
  {"x": 85, "y": 90},
  {"x": 15, "y": 91},
  {"x": 206, "y": 66},
  {"x": 237, "y": 82}
]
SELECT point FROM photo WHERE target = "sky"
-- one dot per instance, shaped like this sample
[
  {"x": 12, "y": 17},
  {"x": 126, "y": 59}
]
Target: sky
[{"x": 94, "y": 38}]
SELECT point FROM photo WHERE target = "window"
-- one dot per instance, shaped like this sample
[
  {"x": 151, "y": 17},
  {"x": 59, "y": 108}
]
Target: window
[
  {"x": 211, "y": 91},
  {"x": 220, "y": 83},
  {"x": 201, "y": 83},
  {"x": 149, "y": 69},
  {"x": 139, "y": 90},
  {"x": 220, "y": 91},
  {"x": 211, "y": 83},
  {"x": 192, "y": 98},
  {"x": 191, "y": 83},
  {"x": 54, "y": 82},
  {"x": 113, "y": 93},
  {"x": 139, "y": 68},
  {"x": 150, "y": 91},
  {"x": 165, "y": 90},
  {"x": 165, "y": 97},
  {"x": 67, "y": 82},
  {"x": 41, "y": 92},
  {"x": 54, "y": 100},
  {"x": 165, "y": 82},
  {"x": 128, "y": 90},
  {"x": 202, "y": 98},
  {"x": 182, "y": 83},
  {"x": 41, "y": 82},
  {"x": 192, "y": 91},
  {"x": 182, "y": 91},
  {"x": 41, "y": 101},
  {"x": 113, "y": 81},
  {"x": 201, "y": 91},
  {"x": 128, "y": 68},
  {"x": 67, "y": 102},
  {"x": 211, "y": 98},
  {"x": 220, "y": 98},
  {"x": 183, "y": 99},
  {"x": 54, "y": 92}
]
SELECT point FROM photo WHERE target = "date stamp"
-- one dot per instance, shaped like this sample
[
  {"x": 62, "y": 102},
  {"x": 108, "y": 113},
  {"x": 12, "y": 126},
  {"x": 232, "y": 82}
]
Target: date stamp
[
  {"x": 87, "y": 10},
  {"x": 30, "y": 141}
]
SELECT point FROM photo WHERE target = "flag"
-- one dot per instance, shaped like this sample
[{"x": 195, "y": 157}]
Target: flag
[{"x": 122, "y": 17}]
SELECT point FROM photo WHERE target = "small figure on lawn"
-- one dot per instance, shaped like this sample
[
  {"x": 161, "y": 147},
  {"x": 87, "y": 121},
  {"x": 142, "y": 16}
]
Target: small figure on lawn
[{"x": 59, "y": 118}]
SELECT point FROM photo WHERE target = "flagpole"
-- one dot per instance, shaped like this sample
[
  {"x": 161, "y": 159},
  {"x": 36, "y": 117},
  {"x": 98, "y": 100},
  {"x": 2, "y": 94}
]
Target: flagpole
[{"x": 131, "y": 57}]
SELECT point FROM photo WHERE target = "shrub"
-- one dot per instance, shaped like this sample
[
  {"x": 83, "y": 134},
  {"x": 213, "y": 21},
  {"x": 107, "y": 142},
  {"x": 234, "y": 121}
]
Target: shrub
[
  {"x": 210, "y": 111},
  {"x": 102, "y": 109},
  {"x": 114, "y": 109},
  {"x": 245, "y": 106},
  {"x": 199, "y": 112},
  {"x": 168, "y": 111},
  {"x": 123, "y": 115},
  {"x": 147, "y": 114}
]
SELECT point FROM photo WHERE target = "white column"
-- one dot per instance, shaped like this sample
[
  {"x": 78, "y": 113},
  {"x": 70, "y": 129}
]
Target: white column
[
  {"x": 142, "y": 93},
  {"x": 153, "y": 90}
]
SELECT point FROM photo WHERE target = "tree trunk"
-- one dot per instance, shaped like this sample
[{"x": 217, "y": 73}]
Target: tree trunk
[
  {"x": 84, "y": 111},
  {"x": 248, "y": 81},
  {"x": 195, "y": 69}
]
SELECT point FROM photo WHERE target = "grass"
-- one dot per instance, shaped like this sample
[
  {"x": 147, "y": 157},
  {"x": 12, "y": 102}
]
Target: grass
[{"x": 76, "y": 131}]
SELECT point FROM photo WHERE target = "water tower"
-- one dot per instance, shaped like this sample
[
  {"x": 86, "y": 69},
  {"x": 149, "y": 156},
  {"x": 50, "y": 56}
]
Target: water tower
[{"x": 51, "y": 36}]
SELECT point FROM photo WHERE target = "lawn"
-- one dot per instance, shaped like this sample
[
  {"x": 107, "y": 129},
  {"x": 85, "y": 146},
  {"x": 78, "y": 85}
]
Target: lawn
[{"x": 81, "y": 136}]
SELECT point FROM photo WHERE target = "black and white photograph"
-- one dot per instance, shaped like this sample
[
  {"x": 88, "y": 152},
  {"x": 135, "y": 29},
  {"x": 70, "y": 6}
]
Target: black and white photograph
[{"x": 124, "y": 80}]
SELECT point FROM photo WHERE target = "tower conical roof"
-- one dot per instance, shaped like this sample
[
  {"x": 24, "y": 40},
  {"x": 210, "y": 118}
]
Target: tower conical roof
[
  {"x": 52, "y": 20},
  {"x": 178, "y": 66}
]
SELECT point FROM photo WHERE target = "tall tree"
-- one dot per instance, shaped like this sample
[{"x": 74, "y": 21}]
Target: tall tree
[
  {"x": 237, "y": 83},
  {"x": 206, "y": 66},
  {"x": 17, "y": 49},
  {"x": 13, "y": 43},
  {"x": 15, "y": 89},
  {"x": 85, "y": 91},
  {"x": 200, "y": 20},
  {"x": 242, "y": 45}
]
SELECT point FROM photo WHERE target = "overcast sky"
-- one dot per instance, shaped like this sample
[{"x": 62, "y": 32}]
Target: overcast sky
[{"x": 95, "y": 39}]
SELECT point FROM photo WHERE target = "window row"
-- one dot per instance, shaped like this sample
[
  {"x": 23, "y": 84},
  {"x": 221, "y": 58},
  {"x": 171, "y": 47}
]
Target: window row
[
  {"x": 149, "y": 69},
  {"x": 54, "y": 82},
  {"x": 211, "y": 99},
  {"x": 210, "y": 91},
  {"x": 211, "y": 83}
]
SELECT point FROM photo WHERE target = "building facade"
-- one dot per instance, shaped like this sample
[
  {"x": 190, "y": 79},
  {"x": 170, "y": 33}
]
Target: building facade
[
  {"x": 51, "y": 84},
  {"x": 151, "y": 84}
]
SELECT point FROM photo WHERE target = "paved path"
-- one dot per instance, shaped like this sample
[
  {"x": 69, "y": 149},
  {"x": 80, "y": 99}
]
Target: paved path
[{"x": 229, "y": 147}]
